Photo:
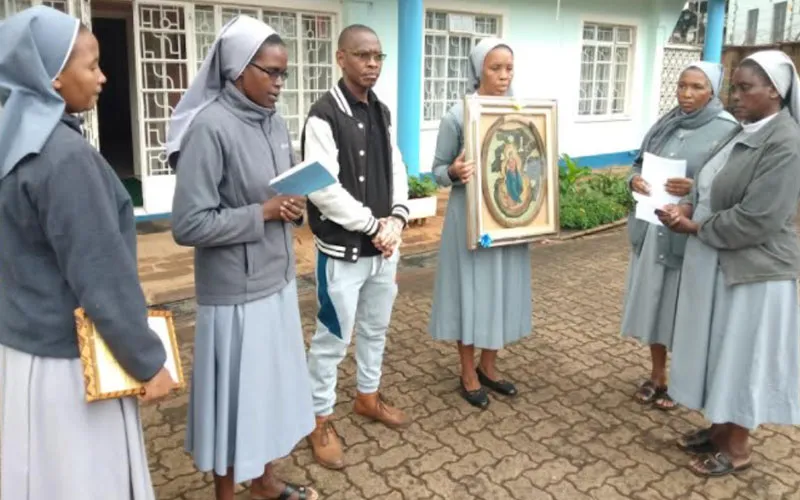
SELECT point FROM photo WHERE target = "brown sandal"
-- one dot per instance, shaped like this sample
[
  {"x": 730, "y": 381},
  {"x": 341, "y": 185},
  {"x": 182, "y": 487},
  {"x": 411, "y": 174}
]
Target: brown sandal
[
  {"x": 718, "y": 464},
  {"x": 303, "y": 493},
  {"x": 646, "y": 392}
]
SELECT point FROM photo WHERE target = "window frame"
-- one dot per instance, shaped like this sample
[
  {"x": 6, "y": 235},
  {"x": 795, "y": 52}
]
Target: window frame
[
  {"x": 750, "y": 37},
  {"x": 453, "y": 8},
  {"x": 298, "y": 11},
  {"x": 778, "y": 34},
  {"x": 632, "y": 46}
]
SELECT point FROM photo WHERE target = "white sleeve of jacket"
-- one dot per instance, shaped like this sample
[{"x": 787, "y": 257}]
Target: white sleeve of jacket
[
  {"x": 334, "y": 202},
  {"x": 399, "y": 184}
]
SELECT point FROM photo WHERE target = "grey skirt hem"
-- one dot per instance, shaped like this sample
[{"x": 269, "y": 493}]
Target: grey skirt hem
[
  {"x": 250, "y": 400},
  {"x": 480, "y": 343}
]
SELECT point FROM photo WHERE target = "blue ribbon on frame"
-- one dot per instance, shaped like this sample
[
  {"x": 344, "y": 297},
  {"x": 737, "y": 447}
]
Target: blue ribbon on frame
[{"x": 485, "y": 241}]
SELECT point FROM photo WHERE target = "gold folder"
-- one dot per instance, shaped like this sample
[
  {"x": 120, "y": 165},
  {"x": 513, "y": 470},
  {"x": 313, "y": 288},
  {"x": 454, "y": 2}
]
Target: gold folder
[{"x": 103, "y": 376}]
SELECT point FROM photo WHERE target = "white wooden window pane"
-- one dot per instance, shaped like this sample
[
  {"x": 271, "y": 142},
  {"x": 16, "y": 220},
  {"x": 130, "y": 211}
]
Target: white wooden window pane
[
  {"x": 624, "y": 35},
  {"x": 229, "y": 13},
  {"x": 605, "y": 34},
  {"x": 446, "y": 56},
  {"x": 605, "y": 60},
  {"x": 204, "y": 32},
  {"x": 57, "y": 4}
]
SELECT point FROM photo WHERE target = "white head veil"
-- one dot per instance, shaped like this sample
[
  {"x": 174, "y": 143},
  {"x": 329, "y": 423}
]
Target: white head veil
[
  {"x": 713, "y": 71},
  {"x": 783, "y": 75},
  {"x": 476, "y": 58},
  {"x": 234, "y": 48}
]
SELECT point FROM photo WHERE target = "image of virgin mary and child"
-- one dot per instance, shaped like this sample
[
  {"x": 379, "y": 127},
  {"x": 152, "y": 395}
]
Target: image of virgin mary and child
[{"x": 519, "y": 170}]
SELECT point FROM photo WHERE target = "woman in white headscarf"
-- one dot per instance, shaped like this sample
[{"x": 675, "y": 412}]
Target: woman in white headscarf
[
  {"x": 736, "y": 351},
  {"x": 482, "y": 298},
  {"x": 691, "y": 131},
  {"x": 251, "y": 395},
  {"x": 68, "y": 239}
]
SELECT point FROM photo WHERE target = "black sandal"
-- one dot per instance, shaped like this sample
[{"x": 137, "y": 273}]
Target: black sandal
[
  {"x": 661, "y": 397},
  {"x": 477, "y": 398},
  {"x": 697, "y": 442},
  {"x": 718, "y": 464},
  {"x": 503, "y": 387},
  {"x": 646, "y": 392},
  {"x": 302, "y": 492}
]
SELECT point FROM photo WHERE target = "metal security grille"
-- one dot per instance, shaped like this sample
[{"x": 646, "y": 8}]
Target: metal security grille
[{"x": 676, "y": 58}]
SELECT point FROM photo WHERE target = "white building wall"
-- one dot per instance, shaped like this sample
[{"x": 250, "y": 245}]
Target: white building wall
[{"x": 737, "y": 21}]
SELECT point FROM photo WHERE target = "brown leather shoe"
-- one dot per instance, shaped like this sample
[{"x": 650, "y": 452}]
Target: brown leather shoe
[
  {"x": 326, "y": 445},
  {"x": 373, "y": 406}
]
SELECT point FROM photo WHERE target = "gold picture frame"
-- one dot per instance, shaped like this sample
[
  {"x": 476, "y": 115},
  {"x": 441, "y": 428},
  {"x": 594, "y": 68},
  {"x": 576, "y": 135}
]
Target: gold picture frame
[
  {"x": 104, "y": 378},
  {"x": 513, "y": 196}
]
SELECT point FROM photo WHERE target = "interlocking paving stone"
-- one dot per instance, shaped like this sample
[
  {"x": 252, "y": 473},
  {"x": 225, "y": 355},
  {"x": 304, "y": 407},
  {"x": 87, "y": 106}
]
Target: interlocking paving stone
[{"x": 573, "y": 432}]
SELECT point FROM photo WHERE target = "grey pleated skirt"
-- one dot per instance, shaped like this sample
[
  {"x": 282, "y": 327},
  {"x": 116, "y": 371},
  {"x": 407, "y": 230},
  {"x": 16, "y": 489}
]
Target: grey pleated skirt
[
  {"x": 481, "y": 297},
  {"x": 651, "y": 297},
  {"x": 56, "y": 446},
  {"x": 250, "y": 400},
  {"x": 736, "y": 351}
]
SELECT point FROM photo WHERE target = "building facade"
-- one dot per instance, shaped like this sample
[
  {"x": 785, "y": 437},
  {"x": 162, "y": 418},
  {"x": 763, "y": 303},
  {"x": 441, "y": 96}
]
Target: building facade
[
  {"x": 600, "y": 59},
  {"x": 762, "y": 22}
]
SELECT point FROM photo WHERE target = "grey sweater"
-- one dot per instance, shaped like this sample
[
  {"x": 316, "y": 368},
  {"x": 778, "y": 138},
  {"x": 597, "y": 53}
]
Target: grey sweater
[
  {"x": 754, "y": 199},
  {"x": 696, "y": 147},
  {"x": 69, "y": 239},
  {"x": 231, "y": 151}
]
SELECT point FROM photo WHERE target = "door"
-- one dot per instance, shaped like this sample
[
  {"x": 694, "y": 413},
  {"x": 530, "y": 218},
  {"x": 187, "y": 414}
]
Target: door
[
  {"x": 163, "y": 50},
  {"x": 82, "y": 9}
]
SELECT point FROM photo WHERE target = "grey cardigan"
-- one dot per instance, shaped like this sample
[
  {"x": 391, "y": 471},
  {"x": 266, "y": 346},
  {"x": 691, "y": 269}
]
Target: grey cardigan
[
  {"x": 228, "y": 156},
  {"x": 696, "y": 146},
  {"x": 754, "y": 203},
  {"x": 68, "y": 239}
]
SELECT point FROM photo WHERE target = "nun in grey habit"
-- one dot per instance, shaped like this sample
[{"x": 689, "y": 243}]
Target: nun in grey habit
[
  {"x": 250, "y": 394},
  {"x": 736, "y": 349},
  {"x": 691, "y": 131},
  {"x": 482, "y": 298},
  {"x": 68, "y": 239}
]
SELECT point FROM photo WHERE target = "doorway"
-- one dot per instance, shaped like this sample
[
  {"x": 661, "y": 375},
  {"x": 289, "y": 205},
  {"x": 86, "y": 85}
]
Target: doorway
[{"x": 114, "y": 109}]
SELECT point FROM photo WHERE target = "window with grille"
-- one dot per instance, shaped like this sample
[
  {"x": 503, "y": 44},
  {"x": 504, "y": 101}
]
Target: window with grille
[
  {"x": 309, "y": 40},
  {"x": 606, "y": 69},
  {"x": 778, "y": 21},
  {"x": 449, "y": 38},
  {"x": 752, "y": 27}
]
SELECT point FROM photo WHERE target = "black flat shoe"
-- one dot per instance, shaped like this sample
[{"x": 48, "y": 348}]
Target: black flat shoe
[
  {"x": 503, "y": 387},
  {"x": 478, "y": 398}
]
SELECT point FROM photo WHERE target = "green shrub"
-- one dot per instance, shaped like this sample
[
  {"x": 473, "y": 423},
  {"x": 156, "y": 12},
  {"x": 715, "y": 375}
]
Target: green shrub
[
  {"x": 421, "y": 187},
  {"x": 588, "y": 208},
  {"x": 614, "y": 186},
  {"x": 571, "y": 174}
]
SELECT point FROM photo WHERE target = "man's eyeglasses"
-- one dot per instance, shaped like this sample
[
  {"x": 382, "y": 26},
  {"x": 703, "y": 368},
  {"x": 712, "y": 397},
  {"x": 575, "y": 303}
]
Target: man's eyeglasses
[
  {"x": 272, "y": 72},
  {"x": 368, "y": 56}
]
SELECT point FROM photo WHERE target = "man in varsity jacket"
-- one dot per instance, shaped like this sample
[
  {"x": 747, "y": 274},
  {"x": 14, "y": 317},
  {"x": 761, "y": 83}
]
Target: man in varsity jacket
[{"x": 356, "y": 224}]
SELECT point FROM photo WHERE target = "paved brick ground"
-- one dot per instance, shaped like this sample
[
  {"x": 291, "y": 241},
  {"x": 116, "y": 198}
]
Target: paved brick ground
[{"x": 572, "y": 433}]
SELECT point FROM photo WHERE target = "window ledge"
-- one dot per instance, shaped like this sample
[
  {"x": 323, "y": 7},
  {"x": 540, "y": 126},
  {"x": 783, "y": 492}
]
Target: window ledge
[{"x": 602, "y": 118}]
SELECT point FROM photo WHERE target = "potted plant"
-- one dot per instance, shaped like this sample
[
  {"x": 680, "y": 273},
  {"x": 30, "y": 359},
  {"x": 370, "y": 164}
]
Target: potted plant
[{"x": 421, "y": 197}]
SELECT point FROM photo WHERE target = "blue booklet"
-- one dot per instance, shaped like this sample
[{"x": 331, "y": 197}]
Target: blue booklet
[{"x": 303, "y": 179}]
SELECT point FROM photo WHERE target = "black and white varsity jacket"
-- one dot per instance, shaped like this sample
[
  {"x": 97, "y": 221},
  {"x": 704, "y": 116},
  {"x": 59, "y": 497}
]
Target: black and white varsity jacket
[{"x": 337, "y": 215}]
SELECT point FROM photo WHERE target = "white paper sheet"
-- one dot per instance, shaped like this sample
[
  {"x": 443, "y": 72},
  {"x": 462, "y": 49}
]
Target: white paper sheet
[{"x": 655, "y": 171}]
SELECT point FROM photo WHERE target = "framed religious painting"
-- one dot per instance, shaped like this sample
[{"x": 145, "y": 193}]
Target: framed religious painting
[{"x": 513, "y": 196}]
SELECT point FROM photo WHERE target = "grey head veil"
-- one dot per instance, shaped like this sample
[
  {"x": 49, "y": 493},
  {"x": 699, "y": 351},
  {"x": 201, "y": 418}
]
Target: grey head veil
[
  {"x": 35, "y": 46},
  {"x": 662, "y": 130},
  {"x": 783, "y": 74},
  {"x": 476, "y": 58},
  {"x": 234, "y": 48}
]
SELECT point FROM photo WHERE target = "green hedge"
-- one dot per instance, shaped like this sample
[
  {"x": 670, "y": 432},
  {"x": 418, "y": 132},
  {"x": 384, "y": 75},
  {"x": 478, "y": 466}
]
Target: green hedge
[{"x": 589, "y": 200}]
